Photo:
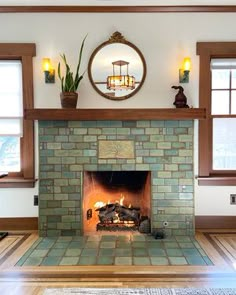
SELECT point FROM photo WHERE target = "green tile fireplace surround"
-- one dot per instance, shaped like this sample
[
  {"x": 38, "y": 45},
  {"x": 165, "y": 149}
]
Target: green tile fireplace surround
[{"x": 68, "y": 148}]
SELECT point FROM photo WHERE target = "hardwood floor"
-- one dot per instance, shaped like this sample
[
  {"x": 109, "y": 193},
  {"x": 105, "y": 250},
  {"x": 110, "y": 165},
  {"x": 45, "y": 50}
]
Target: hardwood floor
[{"x": 220, "y": 246}]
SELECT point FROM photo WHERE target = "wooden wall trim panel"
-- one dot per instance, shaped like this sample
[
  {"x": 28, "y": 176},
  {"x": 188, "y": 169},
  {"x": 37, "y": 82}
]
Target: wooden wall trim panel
[
  {"x": 201, "y": 222},
  {"x": 19, "y": 223},
  {"x": 215, "y": 222},
  {"x": 120, "y": 9},
  {"x": 115, "y": 114},
  {"x": 17, "y": 50}
]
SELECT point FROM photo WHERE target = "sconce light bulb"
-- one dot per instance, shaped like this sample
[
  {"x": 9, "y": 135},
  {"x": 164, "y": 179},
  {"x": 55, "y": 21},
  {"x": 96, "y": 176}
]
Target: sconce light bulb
[
  {"x": 46, "y": 64},
  {"x": 49, "y": 72},
  {"x": 187, "y": 64}
]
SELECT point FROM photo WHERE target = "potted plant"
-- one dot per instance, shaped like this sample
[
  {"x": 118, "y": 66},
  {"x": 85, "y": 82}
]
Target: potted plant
[{"x": 70, "y": 81}]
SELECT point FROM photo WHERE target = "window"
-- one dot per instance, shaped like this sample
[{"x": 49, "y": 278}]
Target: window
[
  {"x": 11, "y": 113},
  {"x": 16, "y": 134},
  {"x": 217, "y": 93}
]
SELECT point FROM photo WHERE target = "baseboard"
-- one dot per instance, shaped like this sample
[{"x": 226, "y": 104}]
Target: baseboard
[
  {"x": 19, "y": 223},
  {"x": 201, "y": 222},
  {"x": 215, "y": 222}
]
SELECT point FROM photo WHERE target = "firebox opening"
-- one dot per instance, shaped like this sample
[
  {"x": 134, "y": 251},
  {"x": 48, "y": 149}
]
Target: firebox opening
[{"x": 116, "y": 201}]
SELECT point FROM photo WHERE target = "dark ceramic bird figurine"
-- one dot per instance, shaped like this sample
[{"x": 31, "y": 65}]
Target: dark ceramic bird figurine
[{"x": 180, "y": 98}]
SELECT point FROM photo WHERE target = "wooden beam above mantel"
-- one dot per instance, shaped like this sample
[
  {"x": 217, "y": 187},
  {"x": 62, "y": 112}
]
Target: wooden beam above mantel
[{"x": 115, "y": 114}]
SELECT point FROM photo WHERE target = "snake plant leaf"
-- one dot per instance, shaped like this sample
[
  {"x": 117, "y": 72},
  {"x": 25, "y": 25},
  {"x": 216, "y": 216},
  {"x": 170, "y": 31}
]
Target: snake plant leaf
[{"x": 69, "y": 82}]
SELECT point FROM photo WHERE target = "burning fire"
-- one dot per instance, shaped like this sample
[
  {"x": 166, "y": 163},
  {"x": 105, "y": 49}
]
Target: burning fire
[{"x": 101, "y": 204}]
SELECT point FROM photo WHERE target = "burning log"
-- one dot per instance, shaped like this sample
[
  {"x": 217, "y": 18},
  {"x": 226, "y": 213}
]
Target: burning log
[{"x": 116, "y": 212}]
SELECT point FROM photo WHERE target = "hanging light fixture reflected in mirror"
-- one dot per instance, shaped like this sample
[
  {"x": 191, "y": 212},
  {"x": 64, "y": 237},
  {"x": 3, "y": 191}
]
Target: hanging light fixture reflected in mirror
[{"x": 120, "y": 82}]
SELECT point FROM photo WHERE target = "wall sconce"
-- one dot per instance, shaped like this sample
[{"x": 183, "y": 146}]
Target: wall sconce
[
  {"x": 49, "y": 72},
  {"x": 184, "y": 71}
]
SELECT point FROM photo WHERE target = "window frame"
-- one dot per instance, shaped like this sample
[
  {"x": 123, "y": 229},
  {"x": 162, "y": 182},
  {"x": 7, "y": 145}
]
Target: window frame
[
  {"x": 23, "y": 52},
  {"x": 207, "y": 51}
]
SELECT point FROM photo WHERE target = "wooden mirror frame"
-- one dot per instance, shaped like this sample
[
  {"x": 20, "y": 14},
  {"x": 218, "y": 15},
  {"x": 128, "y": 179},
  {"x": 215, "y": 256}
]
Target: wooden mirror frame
[{"x": 117, "y": 38}]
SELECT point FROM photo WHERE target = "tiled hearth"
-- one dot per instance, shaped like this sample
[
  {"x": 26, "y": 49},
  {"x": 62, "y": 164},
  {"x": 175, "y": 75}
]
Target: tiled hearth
[
  {"x": 68, "y": 148},
  {"x": 123, "y": 249}
]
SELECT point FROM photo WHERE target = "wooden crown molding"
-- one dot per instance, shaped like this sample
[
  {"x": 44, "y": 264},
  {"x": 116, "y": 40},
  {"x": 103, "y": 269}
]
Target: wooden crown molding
[{"x": 120, "y": 9}]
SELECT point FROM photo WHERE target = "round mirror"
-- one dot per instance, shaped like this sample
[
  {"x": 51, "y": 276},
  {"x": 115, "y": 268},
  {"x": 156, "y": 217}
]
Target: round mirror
[{"x": 117, "y": 68}]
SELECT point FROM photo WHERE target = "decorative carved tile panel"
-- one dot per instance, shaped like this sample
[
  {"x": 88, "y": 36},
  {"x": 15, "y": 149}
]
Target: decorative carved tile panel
[{"x": 108, "y": 149}]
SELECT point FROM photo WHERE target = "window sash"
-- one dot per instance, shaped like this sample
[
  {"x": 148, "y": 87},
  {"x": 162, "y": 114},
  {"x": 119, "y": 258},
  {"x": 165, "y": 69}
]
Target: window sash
[{"x": 207, "y": 52}]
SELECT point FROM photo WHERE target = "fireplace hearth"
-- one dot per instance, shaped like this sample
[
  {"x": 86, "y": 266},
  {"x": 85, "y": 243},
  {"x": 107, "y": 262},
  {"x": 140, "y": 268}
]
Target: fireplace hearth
[{"x": 116, "y": 201}]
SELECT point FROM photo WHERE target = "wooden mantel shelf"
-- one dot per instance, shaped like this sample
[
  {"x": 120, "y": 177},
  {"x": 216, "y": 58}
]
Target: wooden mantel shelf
[{"x": 115, "y": 114}]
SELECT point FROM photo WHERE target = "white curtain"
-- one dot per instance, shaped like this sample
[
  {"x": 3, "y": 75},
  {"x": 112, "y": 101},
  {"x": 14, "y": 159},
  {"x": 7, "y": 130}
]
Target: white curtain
[{"x": 11, "y": 101}]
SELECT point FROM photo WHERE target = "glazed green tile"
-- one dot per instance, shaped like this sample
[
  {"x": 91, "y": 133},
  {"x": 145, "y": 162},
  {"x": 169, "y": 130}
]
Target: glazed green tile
[
  {"x": 186, "y": 245},
  {"x": 174, "y": 252},
  {"x": 51, "y": 260},
  {"x": 150, "y": 238},
  {"x": 45, "y": 245},
  {"x": 39, "y": 253},
  {"x": 64, "y": 239},
  {"x": 141, "y": 261},
  {"x": 28, "y": 252},
  {"x": 87, "y": 260},
  {"x": 106, "y": 252},
  {"x": 159, "y": 261},
  {"x": 80, "y": 238},
  {"x": 92, "y": 244},
  {"x": 189, "y": 252},
  {"x": 123, "y": 252},
  {"x": 171, "y": 245},
  {"x": 21, "y": 261},
  {"x": 125, "y": 244},
  {"x": 89, "y": 252},
  {"x": 109, "y": 238},
  {"x": 196, "y": 244},
  {"x": 93, "y": 238},
  {"x": 123, "y": 238},
  {"x": 123, "y": 260},
  {"x": 183, "y": 239},
  {"x": 105, "y": 260},
  {"x": 207, "y": 260},
  {"x": 140, "y": 252},
  {"x": 177, "y": 260},
  {"x": 156, "y": 252},
  {"x": 69, "y": 261},
  {"x": 195, "y": 260},
  {"x": 139, "y": 244},
  {"x": 107, "y": 245},
  {"x": 33, "y": 261},
  {"x": 73, "y": 252},
  {"x": 155, "y": 244},
  {"x": 60, "y": 245},
  {"x": 76, "y": 244},
  {"x": 202, "y": 252},
  {"x": 138, "y": 238},
  {"x": 56, "y": 252}
]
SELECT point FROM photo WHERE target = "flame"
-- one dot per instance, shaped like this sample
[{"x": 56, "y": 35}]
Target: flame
[
  {"x": 99, "y": 204},
  {"x": 116, "y": 220},
  {"x": 122, "y": 200}
]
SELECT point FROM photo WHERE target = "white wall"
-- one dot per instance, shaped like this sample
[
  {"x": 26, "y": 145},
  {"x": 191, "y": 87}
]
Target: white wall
[{"x": 163, "y": 38}]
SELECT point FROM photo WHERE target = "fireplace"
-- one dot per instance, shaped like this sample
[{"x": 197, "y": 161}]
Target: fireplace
[
  {"x": 116, "y": 201},
  {"x": 69, "y": 151}
]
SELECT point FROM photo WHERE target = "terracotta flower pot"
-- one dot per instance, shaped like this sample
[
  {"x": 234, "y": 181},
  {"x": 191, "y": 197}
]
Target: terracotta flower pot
[{"x": 69, "y": 100}]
